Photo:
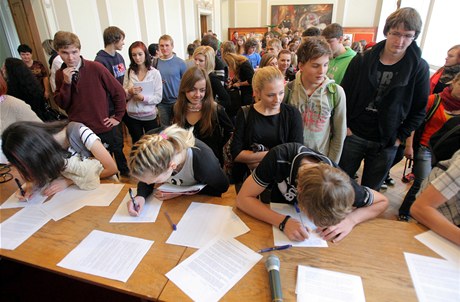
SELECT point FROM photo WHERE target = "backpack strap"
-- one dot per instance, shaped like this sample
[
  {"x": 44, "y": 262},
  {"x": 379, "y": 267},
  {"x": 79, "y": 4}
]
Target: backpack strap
[
  {"x": 434, "y": 107},
  {"x": 332, "y": 89},
  {"x": 287, "y": 96},
  {"x": 246, "y": 112}
]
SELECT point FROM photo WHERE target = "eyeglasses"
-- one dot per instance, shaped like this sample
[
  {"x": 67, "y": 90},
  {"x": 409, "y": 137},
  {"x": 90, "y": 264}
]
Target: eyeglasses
[
  {"x": 5, "y": 174},
  {"x": 400, "y": 35}
]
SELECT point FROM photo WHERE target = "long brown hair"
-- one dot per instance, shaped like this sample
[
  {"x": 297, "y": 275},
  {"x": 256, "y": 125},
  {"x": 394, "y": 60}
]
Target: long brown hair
[{"x": 208, "y": 108}]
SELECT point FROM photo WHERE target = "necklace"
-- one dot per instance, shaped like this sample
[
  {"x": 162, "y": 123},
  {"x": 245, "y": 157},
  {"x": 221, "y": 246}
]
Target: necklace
[{"x": 194, "y": 108}]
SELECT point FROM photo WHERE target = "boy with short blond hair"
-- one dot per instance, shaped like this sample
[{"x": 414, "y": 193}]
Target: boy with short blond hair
[{"x": 312, "y": 182}]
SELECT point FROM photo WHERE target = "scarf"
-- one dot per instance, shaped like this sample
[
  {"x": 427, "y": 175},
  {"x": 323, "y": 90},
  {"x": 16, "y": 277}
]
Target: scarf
[
  {"x": 449, "y": 73},
  {"x": 448, "y": 101}
]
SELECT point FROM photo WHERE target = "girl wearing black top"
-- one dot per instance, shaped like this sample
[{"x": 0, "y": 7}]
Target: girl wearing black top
[{"x": 195, "y": 107}]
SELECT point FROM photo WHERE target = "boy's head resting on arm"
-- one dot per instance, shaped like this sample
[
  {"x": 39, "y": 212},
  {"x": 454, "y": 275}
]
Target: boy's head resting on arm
[
  {"x": 32, "y": 149},
  {"x": 155, "y": 156},
  {"x": 324, "y": 193}
]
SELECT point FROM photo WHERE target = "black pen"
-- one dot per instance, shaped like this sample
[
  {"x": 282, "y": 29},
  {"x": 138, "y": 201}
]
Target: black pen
[
  {"x": 275, "y": 248},
  {"x": 173, "y": 225},
  {"x": 23, "y": 193},
  {"x": 132, "y": 199}
]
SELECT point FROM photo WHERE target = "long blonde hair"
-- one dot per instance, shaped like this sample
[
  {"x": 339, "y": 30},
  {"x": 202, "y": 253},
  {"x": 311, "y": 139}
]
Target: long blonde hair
[
  {"x": 153, "y": 152},
  {"x": 209, "y": 56},
  {"x": 234, "y": 62}
]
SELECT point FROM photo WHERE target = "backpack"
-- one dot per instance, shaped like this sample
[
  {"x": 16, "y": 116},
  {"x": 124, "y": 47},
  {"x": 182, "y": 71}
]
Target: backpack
[
  {"x": 331, "y": 87},
  {"x": 445, "y": 142}
]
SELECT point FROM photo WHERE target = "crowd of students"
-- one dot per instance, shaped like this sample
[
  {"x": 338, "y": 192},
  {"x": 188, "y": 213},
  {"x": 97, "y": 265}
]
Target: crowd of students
[{"x": 286, "y": 122}]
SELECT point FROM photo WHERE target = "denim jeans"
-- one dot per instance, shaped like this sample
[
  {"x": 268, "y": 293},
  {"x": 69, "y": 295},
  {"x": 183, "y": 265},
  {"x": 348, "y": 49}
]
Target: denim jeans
[
  {"x": 421, "y": 170},
  {"x": 166, "y": 114},
  {"x": 377, "y": 160}
]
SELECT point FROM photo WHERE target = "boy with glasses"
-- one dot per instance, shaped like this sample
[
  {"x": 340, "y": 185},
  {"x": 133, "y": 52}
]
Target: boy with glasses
[{"x": 387, "y": 90}]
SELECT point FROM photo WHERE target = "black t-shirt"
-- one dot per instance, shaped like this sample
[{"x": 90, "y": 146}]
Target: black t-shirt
[
  {"x": 369, "y": 118},
  {"x": 279, "y": 169}
]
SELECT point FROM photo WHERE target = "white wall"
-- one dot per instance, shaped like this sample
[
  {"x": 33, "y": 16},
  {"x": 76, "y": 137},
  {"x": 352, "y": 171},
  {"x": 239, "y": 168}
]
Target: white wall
[
  {"x": 360, "y": 13},
  {"x": 141, "y": 20}
]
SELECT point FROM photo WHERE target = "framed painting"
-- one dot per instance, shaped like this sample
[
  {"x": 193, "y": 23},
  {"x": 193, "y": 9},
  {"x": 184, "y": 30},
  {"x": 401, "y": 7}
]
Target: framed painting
[{"x": 285, "y": 18}]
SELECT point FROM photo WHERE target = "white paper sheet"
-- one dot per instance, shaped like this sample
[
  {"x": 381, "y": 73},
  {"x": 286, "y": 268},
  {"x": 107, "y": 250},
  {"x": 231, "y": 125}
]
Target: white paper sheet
[
  {"x": 72, "y": 199},
  {"x": 443, "y": 247},
  {"x": 319, "y": 285},
  {"x": 19, "y": 227},
  {"x": 103, "y": 195},
  {"x": 107, "y": 255},
  {"x": 14, "y": 202},
  {"x": 202, "y": 222},
  {"x": 280, "y": 238},
  {"x": 213, "y": 270},
  {"x": 147, "y": 87},
  {"x": 435, "y": 280},
  {"x": 170, "y": 188},
  {"x": 149, "y": 213}
]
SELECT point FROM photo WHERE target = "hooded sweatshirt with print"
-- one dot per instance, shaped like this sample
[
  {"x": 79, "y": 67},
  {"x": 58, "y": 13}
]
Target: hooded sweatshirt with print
[{"x": 323, "y": 116}]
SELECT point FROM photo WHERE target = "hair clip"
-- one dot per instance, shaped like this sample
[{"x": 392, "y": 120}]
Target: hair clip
[{"x": 163, "y": 135}]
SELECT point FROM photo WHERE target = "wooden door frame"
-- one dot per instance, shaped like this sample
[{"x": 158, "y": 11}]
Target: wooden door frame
[{"x": 36, "y": 46}]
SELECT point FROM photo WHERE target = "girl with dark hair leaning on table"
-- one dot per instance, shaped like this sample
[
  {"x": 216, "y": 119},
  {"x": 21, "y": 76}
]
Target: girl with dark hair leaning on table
[{"x": 53, "y": 156}]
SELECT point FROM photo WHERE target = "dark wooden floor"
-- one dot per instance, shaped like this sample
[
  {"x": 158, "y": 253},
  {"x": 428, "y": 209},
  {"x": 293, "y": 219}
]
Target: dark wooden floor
[{"x": 22, "y": 283}]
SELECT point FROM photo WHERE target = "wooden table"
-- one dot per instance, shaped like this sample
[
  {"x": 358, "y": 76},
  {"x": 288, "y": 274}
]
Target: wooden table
[
  {"x": 374, "y": 250},
  {"x": 49, "y": 245}
]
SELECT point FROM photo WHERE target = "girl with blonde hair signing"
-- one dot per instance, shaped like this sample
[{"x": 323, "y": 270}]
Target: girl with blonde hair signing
[{"x": 173, "y": 156}]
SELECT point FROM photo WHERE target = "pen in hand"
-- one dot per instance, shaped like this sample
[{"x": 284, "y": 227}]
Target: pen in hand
[
  {"x": 297, "y": 209},
  {"x": 275, "y": 248},
  {"x": 132, "y": 199},
  {"x": 173, "y": 225},
  {"x": 23, "y": 193}
]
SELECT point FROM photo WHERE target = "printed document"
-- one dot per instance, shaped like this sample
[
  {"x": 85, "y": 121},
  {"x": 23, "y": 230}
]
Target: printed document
[
  {"x": 203, "y": 222},
  {"x": 320, "y": 285},
  {"x": 72, "y": 199},
  {"x": 19, "y": 227},
  {"x": 149, "y": 213},
  {"x": 107, "y": 255},
  {"x": 14, "y": 202},
  {"x": 435, "y": 280},
  {"x": 443, "y": 247},
  {"x": 281, "y": 239},
  {"x": 213, "y": 270}
]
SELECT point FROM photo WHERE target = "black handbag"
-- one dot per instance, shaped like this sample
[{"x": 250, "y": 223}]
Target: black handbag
[{"x": 50, "y": 114}]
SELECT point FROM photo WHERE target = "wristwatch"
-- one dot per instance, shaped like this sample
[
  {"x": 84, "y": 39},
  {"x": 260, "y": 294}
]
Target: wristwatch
[{"x": 283, "y": 223}]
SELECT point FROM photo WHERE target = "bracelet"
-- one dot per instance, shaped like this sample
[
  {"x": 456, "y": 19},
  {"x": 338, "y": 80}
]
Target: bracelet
[{"x": 283, "y": 223}]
